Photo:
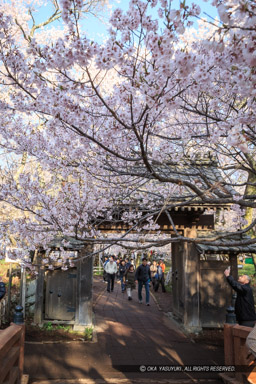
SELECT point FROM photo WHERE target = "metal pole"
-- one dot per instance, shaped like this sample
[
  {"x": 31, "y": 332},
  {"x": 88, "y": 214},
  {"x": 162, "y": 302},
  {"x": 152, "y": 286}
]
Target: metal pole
[
  {"x": 100, "y": 263},
  {"x": 21, "y": 285},
  {"x": 23, "y": 288}
]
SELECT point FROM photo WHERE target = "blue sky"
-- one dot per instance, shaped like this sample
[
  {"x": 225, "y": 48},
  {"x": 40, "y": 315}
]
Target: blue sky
[{"x": 97, "y": 29}]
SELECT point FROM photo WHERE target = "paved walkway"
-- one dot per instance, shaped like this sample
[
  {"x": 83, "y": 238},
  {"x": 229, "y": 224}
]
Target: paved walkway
[{"x": 129, "y": 335}]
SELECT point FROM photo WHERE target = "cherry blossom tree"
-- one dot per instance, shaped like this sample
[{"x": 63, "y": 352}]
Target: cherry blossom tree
[{"x": 121, "y": 124}]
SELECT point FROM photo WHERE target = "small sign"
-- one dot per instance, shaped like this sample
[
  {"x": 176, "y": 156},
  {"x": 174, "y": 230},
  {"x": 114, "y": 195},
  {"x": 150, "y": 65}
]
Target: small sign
[
  {"x": 55, "y": 255},
  {"x": 69, "y": 254}
]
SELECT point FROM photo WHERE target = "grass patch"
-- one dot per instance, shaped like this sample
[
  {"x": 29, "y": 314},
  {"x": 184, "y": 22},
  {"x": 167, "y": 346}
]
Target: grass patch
[
  {"x": 57, "y": 327},
  {"x": 248, "y": 269},
  {"x": 97, "y": 273},
  {"x": 88, "y": 333},
  {"x": 48, "y": 326},
  {"x": 66, "y": 328}
]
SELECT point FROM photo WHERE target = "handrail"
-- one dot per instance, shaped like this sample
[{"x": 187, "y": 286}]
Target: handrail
[{"x": 12, "y": 354}]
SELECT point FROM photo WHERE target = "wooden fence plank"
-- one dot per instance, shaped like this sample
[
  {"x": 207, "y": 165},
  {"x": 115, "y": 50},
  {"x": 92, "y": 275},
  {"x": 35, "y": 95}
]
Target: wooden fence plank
[
  {"x": 240, "y": 353},
  {"x": 228, "y": 344},
  {"x": 8, "y": 338},
  {"x": 14, "y": 376},
  {"x": 7, "y": 364},
  {"x": 22, "y": 346},
  {"x": 12, "y": 354}
]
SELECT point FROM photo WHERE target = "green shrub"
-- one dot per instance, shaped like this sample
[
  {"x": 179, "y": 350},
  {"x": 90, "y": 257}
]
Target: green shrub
[
  {"x": 88, "y": 332},
  {"x": 48, "y": 326}
]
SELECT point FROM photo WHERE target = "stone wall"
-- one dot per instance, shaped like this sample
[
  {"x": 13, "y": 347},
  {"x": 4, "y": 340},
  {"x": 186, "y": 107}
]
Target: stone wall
[{"x": 31, "y": 297}]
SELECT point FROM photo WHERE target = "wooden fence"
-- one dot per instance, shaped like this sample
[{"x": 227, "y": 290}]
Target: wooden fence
[
  {"x": 237, "y": 354},
  {"x": 98, "y": 270},
  {"x": 12, "y": 354}
]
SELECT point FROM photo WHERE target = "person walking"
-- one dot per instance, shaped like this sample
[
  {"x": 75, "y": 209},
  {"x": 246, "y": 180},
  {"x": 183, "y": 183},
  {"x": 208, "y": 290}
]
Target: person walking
[
  {"x": 244, "y": 306},
  {"x": 118, "y": 262},
  {"x": 162, "y": 265},
  {"x": 122, "y": 270},
  {"x": 105, "y": 278},
  {"x": 130, "y": 281},
  {"x": 111, "y": 269},
  {"x": 127, "y": 263},
  {"x": 159, "y": 278},
  {"x": 153, "y": 270},
  {"x": 143, "y": 275}
]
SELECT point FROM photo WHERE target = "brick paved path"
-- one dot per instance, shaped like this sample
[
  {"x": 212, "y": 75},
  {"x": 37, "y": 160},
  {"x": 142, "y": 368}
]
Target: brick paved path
[{"x": 129, "y": 335}]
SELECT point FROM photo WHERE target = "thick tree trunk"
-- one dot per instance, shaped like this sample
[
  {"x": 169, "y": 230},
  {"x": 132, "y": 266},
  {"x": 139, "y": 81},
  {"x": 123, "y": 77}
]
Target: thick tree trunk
[{"x": 251, "y": 190}]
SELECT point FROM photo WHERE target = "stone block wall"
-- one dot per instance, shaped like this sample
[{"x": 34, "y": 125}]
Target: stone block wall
[{"x": 31, "y": 297}]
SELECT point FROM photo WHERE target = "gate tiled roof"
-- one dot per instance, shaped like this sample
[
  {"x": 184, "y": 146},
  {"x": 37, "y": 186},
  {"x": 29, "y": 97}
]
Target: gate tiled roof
[{"x": 228, "y": 245}]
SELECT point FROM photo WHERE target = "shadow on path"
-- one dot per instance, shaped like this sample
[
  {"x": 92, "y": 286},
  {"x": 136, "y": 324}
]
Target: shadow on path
[{"x": 129, "y": 335}]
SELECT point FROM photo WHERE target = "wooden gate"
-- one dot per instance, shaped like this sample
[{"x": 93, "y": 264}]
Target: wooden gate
[
  {"x": 178, "y": 279},
  {"x": 60, "y": 299},
  {"x": 215, "y": 293}
]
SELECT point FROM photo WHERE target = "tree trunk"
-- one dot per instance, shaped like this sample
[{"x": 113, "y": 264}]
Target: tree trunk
[{"x": 251, "y": 190}]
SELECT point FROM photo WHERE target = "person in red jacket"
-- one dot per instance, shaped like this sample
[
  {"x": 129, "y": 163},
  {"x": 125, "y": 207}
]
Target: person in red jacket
[
  {"x": 161, "y": 279},
  {"x": 162, "y": 265}
]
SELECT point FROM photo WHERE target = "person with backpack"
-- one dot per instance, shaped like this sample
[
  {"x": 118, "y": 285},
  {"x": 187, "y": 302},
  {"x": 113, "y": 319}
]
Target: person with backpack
[
  {"x": 159, "y": 278},
  {"x": 143, "y": 275},
  {"x": 2, "y": 288}
]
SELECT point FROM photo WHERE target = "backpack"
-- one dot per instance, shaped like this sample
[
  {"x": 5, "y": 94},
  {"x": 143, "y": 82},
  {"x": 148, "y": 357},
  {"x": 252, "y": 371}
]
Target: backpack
[{"x": 2, "y": 290}]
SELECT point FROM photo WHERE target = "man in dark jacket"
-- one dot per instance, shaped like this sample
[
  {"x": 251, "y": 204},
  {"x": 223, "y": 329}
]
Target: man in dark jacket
[
  {"x": 244, "y": 307},
  {"x": 143, "y": 276},
  {"x": 122, "y": 271}
]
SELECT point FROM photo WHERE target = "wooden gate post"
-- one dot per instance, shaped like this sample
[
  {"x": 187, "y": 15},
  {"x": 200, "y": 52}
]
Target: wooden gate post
[
  {"x": 38, "y": 315},
  {"x": 84, "y": 288},
  {"x": 191, "y": 283}
]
